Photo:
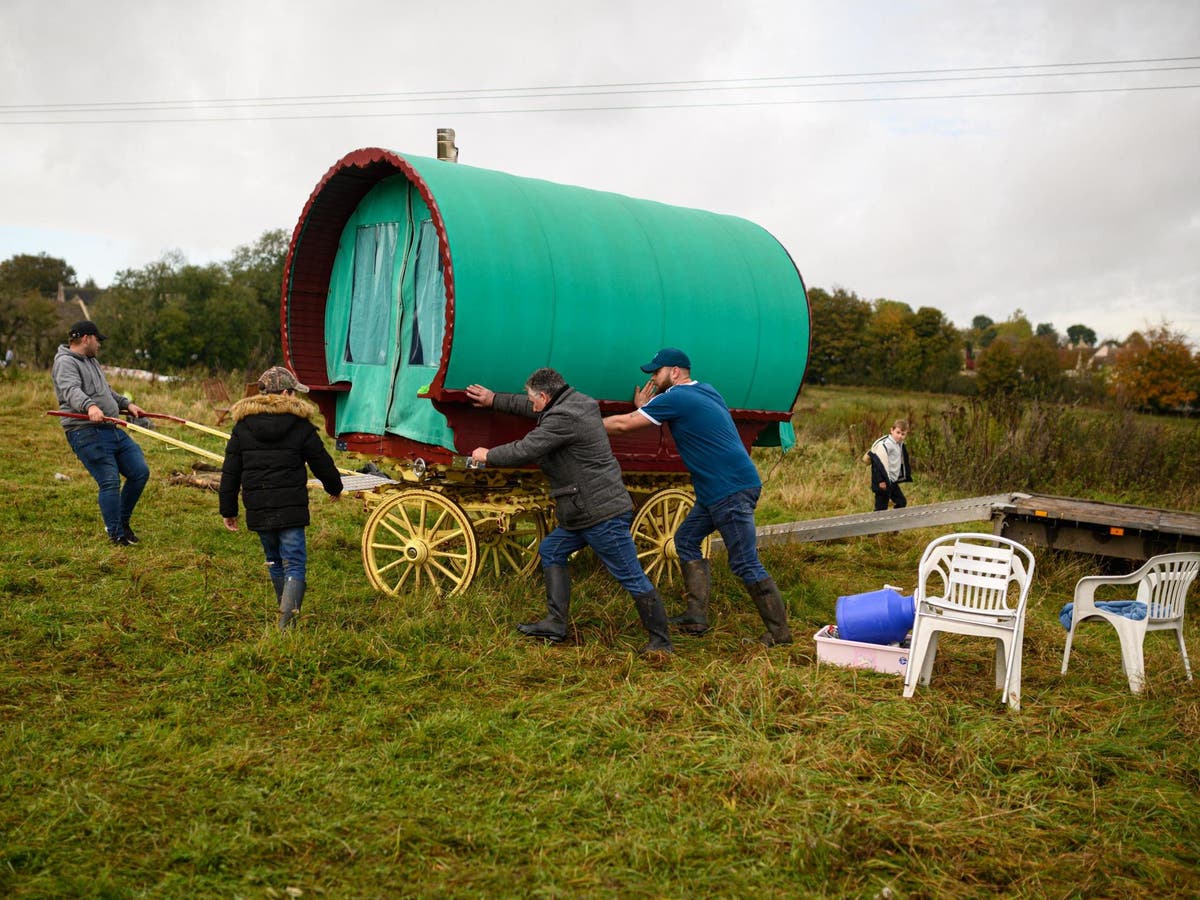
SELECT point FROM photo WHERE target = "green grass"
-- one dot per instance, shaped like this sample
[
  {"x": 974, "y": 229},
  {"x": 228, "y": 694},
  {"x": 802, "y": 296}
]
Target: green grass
[{"x": 160, "y": 739}]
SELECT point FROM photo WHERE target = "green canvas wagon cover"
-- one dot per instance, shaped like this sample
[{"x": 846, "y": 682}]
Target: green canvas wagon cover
[{"x": 408, "y": 279}]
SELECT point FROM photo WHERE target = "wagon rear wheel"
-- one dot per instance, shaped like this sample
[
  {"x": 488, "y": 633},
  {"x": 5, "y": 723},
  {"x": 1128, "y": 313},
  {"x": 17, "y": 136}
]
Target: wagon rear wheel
[
  {"x": 654, "y": 534},
  {"x": 418, "y": 539},
  {"x": 508, "y": 544}
]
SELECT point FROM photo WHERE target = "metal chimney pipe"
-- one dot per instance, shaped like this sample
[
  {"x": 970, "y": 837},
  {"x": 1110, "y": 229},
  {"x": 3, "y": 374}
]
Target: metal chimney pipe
[{"x": 446, "y": 150}]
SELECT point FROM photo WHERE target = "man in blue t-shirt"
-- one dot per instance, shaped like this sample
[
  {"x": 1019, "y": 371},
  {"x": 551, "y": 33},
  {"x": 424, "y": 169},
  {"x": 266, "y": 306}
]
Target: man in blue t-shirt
[{"x": 726, "y": 483}]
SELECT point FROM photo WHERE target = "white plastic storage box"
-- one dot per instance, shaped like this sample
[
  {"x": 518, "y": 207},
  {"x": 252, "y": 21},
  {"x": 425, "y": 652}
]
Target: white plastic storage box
[{"x": 887, "y": 658}]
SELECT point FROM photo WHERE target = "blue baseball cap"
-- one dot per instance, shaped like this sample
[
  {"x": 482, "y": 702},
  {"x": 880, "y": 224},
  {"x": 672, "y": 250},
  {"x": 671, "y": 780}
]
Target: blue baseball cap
[{"x": 667, "y": 356}]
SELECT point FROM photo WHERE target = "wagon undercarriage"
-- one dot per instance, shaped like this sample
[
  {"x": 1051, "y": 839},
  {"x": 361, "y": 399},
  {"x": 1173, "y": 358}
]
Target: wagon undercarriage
[{"x": 439, "y": 528}]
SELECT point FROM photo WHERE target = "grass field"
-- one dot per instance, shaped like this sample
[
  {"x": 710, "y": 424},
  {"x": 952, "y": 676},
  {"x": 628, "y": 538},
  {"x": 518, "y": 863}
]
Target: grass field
[{"x": 161, "y": 739}]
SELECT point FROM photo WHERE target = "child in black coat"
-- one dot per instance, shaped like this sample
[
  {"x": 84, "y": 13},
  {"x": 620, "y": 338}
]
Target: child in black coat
[{"x": 274, "y": 443}]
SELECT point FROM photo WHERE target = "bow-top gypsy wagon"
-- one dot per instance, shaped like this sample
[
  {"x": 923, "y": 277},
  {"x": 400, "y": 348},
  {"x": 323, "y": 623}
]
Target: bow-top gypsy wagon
[{"x": 408, "y": 279}]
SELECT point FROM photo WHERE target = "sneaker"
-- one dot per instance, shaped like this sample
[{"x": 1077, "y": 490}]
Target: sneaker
[
  {"x": 122, "y": 541},
  {"x": 130, "y": 537}
]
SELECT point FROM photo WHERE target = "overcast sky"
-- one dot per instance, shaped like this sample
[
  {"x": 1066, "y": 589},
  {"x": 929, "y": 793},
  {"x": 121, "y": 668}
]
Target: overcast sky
[{"x": 1071, "y": 201}]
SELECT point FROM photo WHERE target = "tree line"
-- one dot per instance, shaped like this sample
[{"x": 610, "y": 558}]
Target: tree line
[
  {"x": 171, "y": 316},
  {"x": 886, "y": 343}
]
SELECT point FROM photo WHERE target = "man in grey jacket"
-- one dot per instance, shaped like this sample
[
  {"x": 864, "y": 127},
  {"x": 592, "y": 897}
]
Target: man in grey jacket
[
  {"x": 105, "y": 450},
  {"x": 592, "y": 505}
]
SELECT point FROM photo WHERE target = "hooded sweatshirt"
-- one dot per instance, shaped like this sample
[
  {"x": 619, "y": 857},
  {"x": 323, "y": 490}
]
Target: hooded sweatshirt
[{"x": 78, "y": 384}]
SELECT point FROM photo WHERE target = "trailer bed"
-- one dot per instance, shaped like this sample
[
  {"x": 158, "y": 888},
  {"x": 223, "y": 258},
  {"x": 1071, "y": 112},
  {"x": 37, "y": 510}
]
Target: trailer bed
[{"x": 1064, "y": 523}]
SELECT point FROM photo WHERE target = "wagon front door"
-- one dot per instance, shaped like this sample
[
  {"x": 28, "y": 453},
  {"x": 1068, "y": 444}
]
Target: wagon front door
[
  {"x": 422, "y": 328},
  {"x": 385, "y": 317}
]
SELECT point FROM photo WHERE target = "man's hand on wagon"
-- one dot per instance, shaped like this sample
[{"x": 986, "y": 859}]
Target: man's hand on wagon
[
  {"x": 642, "y": 395},
  {"x": 480, "y": 395},
  {"x": 479, "y": 454}
]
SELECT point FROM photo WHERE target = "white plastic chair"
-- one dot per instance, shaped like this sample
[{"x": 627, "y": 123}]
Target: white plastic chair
[
  {"x": 978, "y": 575},
  {"x": 1162, "y": 584}
]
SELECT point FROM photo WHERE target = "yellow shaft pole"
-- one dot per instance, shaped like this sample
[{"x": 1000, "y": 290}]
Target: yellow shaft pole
[{"x": 183, "y": 445}]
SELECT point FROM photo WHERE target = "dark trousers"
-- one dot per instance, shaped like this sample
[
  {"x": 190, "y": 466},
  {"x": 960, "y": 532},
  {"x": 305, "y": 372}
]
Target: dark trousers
[{"x": 893, "y": 493}]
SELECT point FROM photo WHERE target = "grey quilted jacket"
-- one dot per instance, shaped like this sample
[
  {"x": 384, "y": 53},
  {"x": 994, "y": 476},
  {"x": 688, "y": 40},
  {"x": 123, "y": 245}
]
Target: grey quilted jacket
[{"x": 570, "y": 445}]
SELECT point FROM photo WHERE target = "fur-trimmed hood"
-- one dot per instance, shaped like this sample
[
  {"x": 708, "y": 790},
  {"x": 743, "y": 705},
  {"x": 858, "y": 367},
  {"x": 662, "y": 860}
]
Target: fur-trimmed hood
[{"x": 272, "y": 404}]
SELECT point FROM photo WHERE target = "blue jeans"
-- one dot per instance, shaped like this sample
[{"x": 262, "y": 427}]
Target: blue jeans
[
  {"x": 286, "y": 552},
  {"x": 611, "y": 541},
  {"x": 733, "y": 517},
  {"x": 107, "y": 453}
]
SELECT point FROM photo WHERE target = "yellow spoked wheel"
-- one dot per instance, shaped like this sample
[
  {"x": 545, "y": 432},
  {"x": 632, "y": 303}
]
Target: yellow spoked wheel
[
  {"x": 507, "y": 544},
  {"x": 654, "y": 534},
  {"x": 418, "y": 539}
]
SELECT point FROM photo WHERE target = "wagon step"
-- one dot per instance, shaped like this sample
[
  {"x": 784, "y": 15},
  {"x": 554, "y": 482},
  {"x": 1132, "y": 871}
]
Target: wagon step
[{"x": 363, "y": 482}]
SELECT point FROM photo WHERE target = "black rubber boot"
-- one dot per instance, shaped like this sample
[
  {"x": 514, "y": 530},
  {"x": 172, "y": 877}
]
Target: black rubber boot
[
  {"x": 289, "y": 601},
  {"x": 774, "y": 613},
  {"x": 558, "y": 604},
  {"x": 654, "y": 618},
  {"x": 277, "y": 581},
  {"x": 697, "y": 587}
]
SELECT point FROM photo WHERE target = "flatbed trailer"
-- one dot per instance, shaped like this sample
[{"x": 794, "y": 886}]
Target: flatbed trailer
[
  {"x": 1064, "y": 523},
  {"x": 1102, "y": 529}
]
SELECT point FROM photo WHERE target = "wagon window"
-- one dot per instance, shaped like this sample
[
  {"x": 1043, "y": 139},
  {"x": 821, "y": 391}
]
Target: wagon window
[
  {"x": 429, "y": 324},
  {"x": 371, "y": 295}
]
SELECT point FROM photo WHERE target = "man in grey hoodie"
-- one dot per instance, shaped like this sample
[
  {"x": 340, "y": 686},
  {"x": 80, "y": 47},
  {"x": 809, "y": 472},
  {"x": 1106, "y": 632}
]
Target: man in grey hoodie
[
  {"x": 105, "y": 450},
  {"x": 591, "y": 503}
]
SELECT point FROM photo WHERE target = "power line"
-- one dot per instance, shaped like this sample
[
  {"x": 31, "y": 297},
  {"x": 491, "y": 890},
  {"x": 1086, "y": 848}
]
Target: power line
[
  {"x": 620, "y": 108},
  {"x": 617, "y": 87},
  {"x": 495, "y": 94}
]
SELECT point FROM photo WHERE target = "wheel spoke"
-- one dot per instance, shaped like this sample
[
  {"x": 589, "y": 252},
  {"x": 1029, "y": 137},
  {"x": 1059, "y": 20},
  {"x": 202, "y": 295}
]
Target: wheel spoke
[
  {"x": 409, "y": 525},
  {"x": 435, "y": 563},
  {"x": 404, "y": 576},
  {"x": 386, "y": 522},
  {"x": 679, "y": 514},
  {"x": 438, "y": 540},
  {"x": 395, "y": 562},
  {"x": 437, "y": 525}
]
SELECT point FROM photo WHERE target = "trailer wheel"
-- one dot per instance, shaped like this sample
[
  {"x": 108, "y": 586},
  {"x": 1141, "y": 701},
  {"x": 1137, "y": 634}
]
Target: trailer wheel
[
  {"x": 654, "y": 534},
  {"x": 508, "y": 544},
  {"x": 418, "y": 539}
]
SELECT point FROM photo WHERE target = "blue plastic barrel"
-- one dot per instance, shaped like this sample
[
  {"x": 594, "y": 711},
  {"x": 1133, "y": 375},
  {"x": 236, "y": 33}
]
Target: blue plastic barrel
[{"x": 879, "y": 617}]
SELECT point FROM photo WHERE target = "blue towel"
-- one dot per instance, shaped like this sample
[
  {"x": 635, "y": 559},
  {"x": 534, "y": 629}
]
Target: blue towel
[{"x": 1130, "y": 609}]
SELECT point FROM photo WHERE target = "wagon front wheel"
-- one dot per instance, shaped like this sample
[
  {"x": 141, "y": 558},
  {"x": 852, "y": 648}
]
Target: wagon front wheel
[
  {"x": 654, "y": 529},
  {"x": 418, "y": 539}
]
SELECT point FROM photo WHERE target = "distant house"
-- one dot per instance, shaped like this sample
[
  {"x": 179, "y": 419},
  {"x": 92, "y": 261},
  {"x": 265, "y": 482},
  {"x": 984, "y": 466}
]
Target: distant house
[
  {"x": 1104, "y": 356},
  {"x": 79, "y": 298}
]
